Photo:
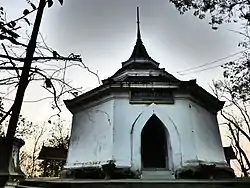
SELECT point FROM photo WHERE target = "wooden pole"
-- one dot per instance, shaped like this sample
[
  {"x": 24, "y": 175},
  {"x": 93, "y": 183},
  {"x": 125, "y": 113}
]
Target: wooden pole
[
  {"x": 7, "y": 146},
  {"x": 24, "y": 79}
]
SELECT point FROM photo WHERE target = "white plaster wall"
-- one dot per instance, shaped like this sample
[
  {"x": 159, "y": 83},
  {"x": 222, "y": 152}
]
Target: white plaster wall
[
  {"x": 91, "y": 136},
  {"x": 193, "y": 136},
  {"x": 207, "y": 136},
  {"x": 111, "y": 131},
  {"x": 126, "y": 114}
]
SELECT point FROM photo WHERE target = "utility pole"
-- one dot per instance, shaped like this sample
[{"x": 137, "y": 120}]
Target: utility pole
[
  {"x": 24, "y": 79},
  {"x": 6, "y": 154}
]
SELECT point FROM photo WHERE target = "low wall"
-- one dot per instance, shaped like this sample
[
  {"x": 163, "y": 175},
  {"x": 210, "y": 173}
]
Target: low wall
[{"x": 134, "y": 183}]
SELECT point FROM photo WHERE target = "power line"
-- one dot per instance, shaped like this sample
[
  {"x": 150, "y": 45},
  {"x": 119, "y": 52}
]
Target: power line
[
  {"x": 212, "y": 62},
  {"x": 29, "y": 101},
  {"x": 208, "y": 68}
]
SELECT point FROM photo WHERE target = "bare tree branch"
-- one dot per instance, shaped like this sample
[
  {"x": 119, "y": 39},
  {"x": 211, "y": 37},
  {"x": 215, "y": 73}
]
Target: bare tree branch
[
  {"x": 13, "y": 64},
  {"x": 238, "y": 127},
  {"x": 6, "y": 115},
  {"x": 74, "y": 58},
  {"x": 19, "y": 18}
]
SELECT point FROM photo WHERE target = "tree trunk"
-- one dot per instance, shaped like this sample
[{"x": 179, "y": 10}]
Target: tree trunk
[
  {"x": 24, "y": 79},
  {"x": 23, "y": 83}
]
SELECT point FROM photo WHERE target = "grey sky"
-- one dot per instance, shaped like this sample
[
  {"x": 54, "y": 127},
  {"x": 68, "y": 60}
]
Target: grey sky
[{"x": 104, "y": 33}]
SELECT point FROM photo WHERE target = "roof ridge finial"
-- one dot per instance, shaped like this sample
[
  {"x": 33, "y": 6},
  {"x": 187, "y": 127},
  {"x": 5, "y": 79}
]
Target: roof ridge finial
[{"x": 138, "y": 23}]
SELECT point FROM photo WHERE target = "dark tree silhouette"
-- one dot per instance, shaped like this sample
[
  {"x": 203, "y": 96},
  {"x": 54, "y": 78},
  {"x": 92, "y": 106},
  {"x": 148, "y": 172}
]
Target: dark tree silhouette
[
  {"x": 24, "y": 60},
  {"x": 219, "y": 11},
  {"x": 1, "y": 115},
  {"x": 23, "y": 63},
  {"x": 234, "y": 89},
  {"x": 58, "y": 138},
  {"x": 236, "y": 115}
]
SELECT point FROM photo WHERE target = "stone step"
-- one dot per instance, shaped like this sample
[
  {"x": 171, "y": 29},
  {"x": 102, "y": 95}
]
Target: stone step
[
  {"x": 157, "y": 175},
  {"x": 25, "y": 186},
  {"x": 134, "y": 183}
]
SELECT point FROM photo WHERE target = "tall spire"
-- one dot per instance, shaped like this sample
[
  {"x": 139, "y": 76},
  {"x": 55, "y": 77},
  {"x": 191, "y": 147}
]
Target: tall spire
[
  {"x": 138, "y": 24},
  {"x": 139, "y": 51}
]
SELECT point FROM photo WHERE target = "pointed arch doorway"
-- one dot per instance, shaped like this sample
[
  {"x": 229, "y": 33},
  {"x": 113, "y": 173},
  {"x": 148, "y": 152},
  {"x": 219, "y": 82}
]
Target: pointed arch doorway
[{"x": 154, "y": 146}]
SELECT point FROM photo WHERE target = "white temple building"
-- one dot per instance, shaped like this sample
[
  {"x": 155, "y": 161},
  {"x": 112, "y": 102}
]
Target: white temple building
[{"x": 143, "y": 119}]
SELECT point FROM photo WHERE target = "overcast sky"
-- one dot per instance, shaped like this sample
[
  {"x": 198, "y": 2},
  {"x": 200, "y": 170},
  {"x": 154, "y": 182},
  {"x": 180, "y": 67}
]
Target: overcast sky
[{"x": 104, "y": 33}]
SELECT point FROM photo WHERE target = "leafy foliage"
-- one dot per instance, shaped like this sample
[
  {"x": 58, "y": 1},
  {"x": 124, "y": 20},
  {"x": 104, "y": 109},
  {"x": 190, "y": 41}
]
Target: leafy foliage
[
  {"x": 58, "y": 138},
  {"x": 59, "y": 135},
  {"x": 54, "y": 167},
  {"x": 29, "y": 155},
  {"x": 47, "y": 66},
  {"x": 8, "y": 29},
  {"x": 25, "y": 59},
  {"x": 237, "y": 73},
  {"x": 50, "y": 2},
  {"x": 54, "y": 135},
  {"x": 25, "y": 128},
  {"x": 235, "y": 87},
  {"x": 220, "y": 11},
  {"x": 235, "y": 90},
  {"x": 236, "y": 115}
]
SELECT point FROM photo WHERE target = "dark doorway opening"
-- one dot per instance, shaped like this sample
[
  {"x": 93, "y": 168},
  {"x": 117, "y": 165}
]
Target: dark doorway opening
[{"x": 154, "y": 144}]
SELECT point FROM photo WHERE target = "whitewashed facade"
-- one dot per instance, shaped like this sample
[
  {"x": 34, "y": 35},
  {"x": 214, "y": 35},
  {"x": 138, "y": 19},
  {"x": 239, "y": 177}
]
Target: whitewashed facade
[
  {"x": 111, "y": 130},
  {"x": 109, "y": 121}
]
